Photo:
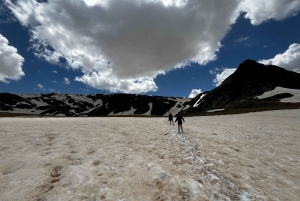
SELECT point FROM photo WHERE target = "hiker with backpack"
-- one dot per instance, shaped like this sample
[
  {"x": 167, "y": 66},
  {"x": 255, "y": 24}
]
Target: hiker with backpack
[
  {"x": 179, "y": 118},
  {"x": 171, "y": 118}
]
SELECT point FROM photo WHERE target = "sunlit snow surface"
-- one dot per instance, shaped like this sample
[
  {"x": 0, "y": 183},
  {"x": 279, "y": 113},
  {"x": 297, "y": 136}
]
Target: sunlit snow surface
[
  {"x": 279, "y": 90},
  {"x": 251, "y": 156}
]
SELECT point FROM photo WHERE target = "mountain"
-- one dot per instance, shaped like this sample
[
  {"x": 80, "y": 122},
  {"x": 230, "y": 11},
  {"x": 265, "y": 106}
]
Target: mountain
[
  {"x": 252, "y": 87},
  {"x": 240, "y": 90},
  {"x": 90, "y": 105}
]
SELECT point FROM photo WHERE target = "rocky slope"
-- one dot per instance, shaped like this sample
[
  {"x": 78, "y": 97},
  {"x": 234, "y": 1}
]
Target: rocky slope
[
  {"x": 240, "y": 90},
  {"x": 89, "y": 105}
]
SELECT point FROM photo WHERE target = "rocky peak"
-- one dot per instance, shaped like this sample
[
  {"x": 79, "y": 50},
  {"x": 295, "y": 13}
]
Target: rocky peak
[{"x": 248, "y": 81}]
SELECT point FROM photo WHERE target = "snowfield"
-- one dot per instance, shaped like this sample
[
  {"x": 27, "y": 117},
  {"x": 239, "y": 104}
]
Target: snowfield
[
  {"x": 253, "y": 156},
  {"x": 280, "y": 90}
]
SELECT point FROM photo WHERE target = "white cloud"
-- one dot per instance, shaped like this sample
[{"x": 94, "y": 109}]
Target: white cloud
[
  {"x": 215, "y": 70},
  {"x": 289, "y": 60},
  {"x": 66, "y": 80},
  {"x": 259, "y": 11},
  {"x": 54, "y": 71},
  {"x": 110, "y": 82},
  {"x": 222, "y": 76},
  {"x": 194, "y": 93},
  {"x": 122, "y": 45},
  {"x": 84, "y": 89},
  {"x": 41, "y": 87},
  {"x": 5, "y": 15},
  {"x": 10, "y": 62},
  {"x": 212, "y": 72},
  {"x": 242, "y": 39},
  {"x": 131, "y": 41}
]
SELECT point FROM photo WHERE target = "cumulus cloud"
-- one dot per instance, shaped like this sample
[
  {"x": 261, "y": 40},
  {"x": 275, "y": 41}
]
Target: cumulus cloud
[
  {"x": 289, "y": 60},
  {"x": 259, "y": 11},
  {"x": 66, "y": 80},
  {"x": 130, "y": 42},
  {"x": 194, "y": 93},
  {"x": 10, "y": 62},
  {"x": 122, "y": 45},
  {"x": 222, "y": 76},
  {"x": 108, "y": 81}
]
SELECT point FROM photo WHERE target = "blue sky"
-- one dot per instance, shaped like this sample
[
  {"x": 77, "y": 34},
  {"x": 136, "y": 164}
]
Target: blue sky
[{"x": 165, "y": 48}]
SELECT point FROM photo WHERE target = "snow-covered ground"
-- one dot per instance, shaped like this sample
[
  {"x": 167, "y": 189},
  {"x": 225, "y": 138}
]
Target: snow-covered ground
[
  {"x": 279, "y": 90},
  {"x": 253, "y": 156}
]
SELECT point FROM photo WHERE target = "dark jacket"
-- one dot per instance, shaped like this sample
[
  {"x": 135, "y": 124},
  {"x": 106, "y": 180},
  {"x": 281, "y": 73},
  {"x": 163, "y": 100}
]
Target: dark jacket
[{"x": 179, "y": 118}]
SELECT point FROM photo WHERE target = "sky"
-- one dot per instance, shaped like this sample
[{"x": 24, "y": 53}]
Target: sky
[{"x": 176, "y": 48}]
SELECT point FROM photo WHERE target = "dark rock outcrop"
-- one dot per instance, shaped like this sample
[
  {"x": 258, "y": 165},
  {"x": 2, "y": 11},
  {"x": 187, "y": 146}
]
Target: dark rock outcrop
[
  {"x": 239, "y": 90},
  {"x": 248, "y": 81},
  {"x": 89, "y": 105},
  {"x": 117, "y": 103}
]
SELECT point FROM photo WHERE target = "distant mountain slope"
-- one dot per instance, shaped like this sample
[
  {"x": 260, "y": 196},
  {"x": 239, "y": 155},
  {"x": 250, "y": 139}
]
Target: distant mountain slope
[
  {"x": 241, "y": 92},
  {"x": 89, "y": 105},
  {"x": 251, "y": 79}
]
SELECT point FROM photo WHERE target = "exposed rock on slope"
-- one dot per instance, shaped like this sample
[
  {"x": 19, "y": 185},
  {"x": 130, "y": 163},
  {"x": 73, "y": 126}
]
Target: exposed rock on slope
[
  {"x": 90, "y": 105},
  {"x": 248, "y": 81},
  {"x": 240, "y": 92}
]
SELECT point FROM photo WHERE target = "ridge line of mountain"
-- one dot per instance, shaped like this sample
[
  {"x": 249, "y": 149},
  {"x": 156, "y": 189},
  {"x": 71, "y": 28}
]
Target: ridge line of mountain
[{"x": 237, "y": 94}]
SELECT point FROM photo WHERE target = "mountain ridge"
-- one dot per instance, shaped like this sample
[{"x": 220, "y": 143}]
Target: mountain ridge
[
  {"x": 57, "y": 104},
  {"x": 238, "y": 92},
  {"x": 250, "y": 80}
]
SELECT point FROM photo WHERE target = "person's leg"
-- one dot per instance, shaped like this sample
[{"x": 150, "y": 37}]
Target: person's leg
[
  {"x": 178, "y": 128},
  {"x": 173, "y": 122},
  {"x": 181, "y": 128}
]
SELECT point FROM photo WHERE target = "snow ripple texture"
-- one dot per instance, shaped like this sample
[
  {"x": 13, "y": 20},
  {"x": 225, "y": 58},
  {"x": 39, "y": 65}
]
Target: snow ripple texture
[
  {"x": 241, "y": 157},
  {"x": 211, "y": 182}
]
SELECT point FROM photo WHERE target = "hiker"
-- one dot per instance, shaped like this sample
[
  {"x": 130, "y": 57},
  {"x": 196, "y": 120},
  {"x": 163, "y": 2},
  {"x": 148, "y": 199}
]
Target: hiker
[
  {"x": 171, "y": 118},
  {"x": 179, "y": 118}
]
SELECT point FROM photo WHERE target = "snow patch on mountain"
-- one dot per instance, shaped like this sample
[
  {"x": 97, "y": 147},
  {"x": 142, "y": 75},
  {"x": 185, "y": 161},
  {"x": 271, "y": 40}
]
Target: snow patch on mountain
[
  {"x": 89, "y": 105},
  {"x": 199, "y": 100},
  {"x": 129, "y": 112},
  {"x": 280, "y": 90},
  {"x": 148, "y": 113},
  {"x": 180, "y": 105}
]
